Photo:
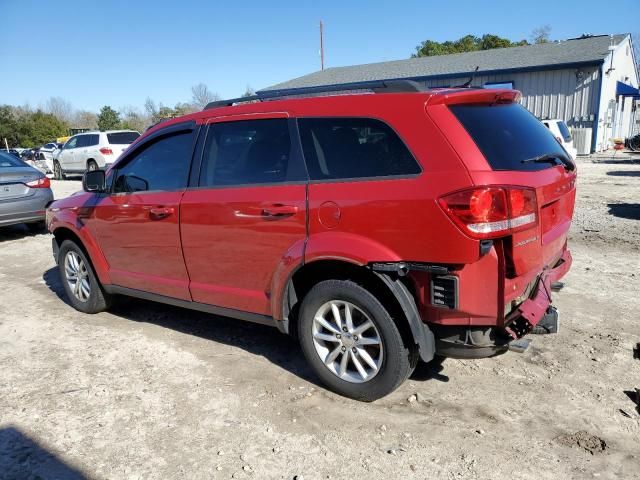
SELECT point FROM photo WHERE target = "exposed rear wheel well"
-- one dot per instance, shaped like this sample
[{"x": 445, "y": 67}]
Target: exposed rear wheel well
[{"x": 312, "y": 273}]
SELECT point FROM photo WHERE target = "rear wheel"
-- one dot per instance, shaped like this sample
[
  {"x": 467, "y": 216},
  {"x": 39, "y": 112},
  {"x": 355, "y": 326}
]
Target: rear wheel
[
  {"x": 79, "y": 280},
  {"x": 57, "y": 171},
  {"x": 351, "y": 341},
  {"x": 92, "y": 165}
]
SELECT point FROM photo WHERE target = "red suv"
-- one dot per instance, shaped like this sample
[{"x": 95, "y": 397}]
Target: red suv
[{"x": 379, "y": 228}]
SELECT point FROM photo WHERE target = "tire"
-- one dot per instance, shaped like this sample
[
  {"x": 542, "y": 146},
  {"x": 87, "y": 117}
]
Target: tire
[
  {"x": 393, "y": 360},
  {"x": 71, "y": 258},
  {"x": 58, "y": 174},
  {"x": 92, "y": 165}
]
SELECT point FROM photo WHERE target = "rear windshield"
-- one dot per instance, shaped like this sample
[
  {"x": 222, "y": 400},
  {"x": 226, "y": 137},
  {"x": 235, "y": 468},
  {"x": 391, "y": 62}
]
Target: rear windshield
[
  {"x": 9, "y": 161},
  {"x": 122, "y": 138},
  {"x": 564, "y": 130},
  {"x": 507, "y": 135}
]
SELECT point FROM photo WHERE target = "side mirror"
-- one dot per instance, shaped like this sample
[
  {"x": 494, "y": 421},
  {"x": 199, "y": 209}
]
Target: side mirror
[{"x": 94, "y": 181}]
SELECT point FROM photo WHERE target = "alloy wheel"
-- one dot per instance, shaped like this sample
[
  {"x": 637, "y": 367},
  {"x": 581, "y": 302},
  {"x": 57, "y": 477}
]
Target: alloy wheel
[
  {"x": 77, "y": 276},
  {"x": 347, "y": 341}
]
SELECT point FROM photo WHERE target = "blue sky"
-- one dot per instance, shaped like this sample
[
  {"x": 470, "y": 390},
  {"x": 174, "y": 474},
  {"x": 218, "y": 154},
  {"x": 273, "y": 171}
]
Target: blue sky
[{"x": 118, "y": 53}]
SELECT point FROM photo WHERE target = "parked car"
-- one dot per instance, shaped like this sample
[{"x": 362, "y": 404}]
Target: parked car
[
  {"x": 91, "y": 150},
  {"x": 378, "y": 228},
  {"x": 24, "y": 193},
  {"x": 562, "y": 134},
  {"x": 45, "y": 152},
  {"x": 14, "y": 152}
]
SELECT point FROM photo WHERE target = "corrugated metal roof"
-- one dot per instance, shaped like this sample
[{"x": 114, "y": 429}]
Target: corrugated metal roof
[{"x": 582, "y": 50}]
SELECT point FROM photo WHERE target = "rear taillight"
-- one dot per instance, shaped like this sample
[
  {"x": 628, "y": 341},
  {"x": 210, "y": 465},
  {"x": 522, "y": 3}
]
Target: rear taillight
[
  {"x": 43, "y": 182},
  {"x": 106, "y": 151},
  {"x": 490, "y": 212}
]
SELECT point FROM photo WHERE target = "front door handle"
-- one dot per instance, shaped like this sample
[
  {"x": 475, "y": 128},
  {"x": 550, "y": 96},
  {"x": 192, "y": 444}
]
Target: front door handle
[
  {"x": 279, "y": 210},
  {"x": 158, "y": 213}
]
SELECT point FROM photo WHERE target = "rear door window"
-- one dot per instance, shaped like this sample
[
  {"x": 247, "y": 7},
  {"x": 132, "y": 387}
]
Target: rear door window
[
  {"x": 250, "y": 152},
  {"x": 340, "y": 148},
  {"x": 508, "y": 134},
  {"x": 83, "y": 141},
  {"x": 122, "y": 138}
]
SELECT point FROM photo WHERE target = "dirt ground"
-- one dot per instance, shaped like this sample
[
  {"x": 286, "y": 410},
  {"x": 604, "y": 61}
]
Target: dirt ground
[{"x": 150, "y": 391}]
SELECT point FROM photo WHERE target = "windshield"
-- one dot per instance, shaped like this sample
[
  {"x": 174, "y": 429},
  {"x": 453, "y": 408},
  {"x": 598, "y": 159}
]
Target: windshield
[
  {"x": 122, "y": 138},
  {"x": 508, "y": 134},
  {"x": 9, "y": 161}
]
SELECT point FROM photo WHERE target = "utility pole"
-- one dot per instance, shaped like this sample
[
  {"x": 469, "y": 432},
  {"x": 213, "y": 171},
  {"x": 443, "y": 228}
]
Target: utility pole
[{"x": 321, "y": 46}]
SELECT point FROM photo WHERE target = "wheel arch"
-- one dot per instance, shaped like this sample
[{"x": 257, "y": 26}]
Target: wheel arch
[
  {"x": 395, "y": 295},
  {"x": 88, "y": 246}
]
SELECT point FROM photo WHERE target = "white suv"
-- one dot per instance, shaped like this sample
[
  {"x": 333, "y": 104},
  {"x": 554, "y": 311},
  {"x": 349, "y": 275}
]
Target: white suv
[
  {"x": 562, "y": 134},
  {"x": 91, "y": 150}
]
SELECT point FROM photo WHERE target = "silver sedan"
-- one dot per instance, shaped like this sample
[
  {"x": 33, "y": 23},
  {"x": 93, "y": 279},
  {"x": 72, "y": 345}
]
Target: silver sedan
[{"x": 24, "y": 193}]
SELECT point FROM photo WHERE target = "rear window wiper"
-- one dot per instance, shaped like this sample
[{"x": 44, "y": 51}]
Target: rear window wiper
[{"x": 551, "y": 158}]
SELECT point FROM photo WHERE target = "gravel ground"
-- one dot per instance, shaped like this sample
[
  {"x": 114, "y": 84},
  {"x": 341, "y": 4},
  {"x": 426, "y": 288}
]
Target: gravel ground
[{"x": 150, "y": 391}]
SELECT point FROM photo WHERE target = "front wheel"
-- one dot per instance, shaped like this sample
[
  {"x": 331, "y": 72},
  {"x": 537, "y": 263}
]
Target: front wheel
[
  {"x": 79, "y": 280},
  {"x": 351, "y": 342}
]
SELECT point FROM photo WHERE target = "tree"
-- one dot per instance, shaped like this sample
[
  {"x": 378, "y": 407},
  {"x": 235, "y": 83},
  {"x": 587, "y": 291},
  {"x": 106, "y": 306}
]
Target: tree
[
  {"x": 108, "y": 119},
  {"x": 8, "y": 127},
  {"x": 249, "y": 91},
  {"x": 59, "y": 108},
  {"x": 201, "y": 95},
  {"x": 85, "y": 119},
  {"x": 468, "y": 43},
  {"x": 132, "y": 119},
  {"x": 541, "y": 34}
]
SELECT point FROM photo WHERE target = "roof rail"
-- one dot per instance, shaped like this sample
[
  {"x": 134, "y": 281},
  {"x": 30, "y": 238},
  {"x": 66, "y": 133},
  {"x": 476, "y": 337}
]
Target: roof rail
[{"x": 377, "y": 86}]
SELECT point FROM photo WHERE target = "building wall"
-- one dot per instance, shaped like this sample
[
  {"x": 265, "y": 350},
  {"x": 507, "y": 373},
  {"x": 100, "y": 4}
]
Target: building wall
[
  {"x": 616, "y": 113},
  {"x": 569, "y": 94}
]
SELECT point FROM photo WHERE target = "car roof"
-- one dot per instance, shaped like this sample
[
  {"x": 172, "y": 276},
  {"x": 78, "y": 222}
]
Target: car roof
[{"x": 365, "y": 101}]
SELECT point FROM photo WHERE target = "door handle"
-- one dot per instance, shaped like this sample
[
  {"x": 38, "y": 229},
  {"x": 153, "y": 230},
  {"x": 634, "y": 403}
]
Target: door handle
[
  {"x": 158, "y": 213},
  {"x": 279, "y": 210}
]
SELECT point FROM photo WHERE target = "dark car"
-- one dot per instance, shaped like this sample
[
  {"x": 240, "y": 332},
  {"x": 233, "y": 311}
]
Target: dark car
[
  {"x": 24, "y": 193},
  {"x": 379, "y": 228}
]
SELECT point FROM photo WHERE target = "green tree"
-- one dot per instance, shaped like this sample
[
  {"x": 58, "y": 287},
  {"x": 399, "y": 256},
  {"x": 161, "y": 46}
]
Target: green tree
[
  {"x": 468, "y": 43},
  {"x": 37, "y": 128},
  {"x": 8, "y": 127},
  {"x": 108, "y": 119}
]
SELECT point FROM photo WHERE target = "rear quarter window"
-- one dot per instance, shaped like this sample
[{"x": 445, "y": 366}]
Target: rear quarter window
[
  {"x": 507, "y": 134},
  {"x": 122, "y": 138},
  {"x": 342, "y": 148}
]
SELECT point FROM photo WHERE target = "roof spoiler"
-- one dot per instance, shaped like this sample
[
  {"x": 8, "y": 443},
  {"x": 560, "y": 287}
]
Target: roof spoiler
[{"x": 376, "y": 86}]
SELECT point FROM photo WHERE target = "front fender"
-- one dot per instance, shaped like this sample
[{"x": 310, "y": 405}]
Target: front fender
[{"x": 71, "y": 220}]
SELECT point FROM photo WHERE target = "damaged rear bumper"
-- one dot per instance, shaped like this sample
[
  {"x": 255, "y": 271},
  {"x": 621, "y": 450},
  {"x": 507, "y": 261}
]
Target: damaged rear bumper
[{"x": 480, "y": 342}]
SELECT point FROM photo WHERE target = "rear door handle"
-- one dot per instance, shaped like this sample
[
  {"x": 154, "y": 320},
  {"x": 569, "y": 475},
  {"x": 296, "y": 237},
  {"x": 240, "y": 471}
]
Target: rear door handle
[
  {"x": 279, "y": 210},
  {"x": 158, "y": 213}
]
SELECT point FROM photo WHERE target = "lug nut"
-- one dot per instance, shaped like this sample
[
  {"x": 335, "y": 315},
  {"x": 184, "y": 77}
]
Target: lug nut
[
  {"x": 344, "y": 329},
  {"x": 354, "y": 350},
  {"x": 338, "y": 335},
  {"x": 344, "y": 349},
  {"x": 355, "y": 338}
]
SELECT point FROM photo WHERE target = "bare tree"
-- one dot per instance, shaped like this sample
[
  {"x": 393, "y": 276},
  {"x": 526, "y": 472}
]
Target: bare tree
[
  {"x": 133, "y": 119},
  {"x": 60, "y": 108},
  {"x": 541, "y": 34},
  {"x": 201, "y": 95},
  {"x": 84, "y": 119},
  {"x": 249, "y": 91}
]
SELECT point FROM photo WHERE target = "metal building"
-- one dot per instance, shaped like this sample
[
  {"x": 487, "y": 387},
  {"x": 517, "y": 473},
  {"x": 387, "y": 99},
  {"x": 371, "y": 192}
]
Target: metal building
[{"x": 590, "y": 82}]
